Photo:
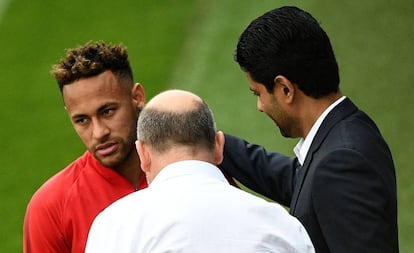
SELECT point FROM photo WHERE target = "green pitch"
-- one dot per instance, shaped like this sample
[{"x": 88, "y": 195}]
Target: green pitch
[{"x": 188, "y": 44}]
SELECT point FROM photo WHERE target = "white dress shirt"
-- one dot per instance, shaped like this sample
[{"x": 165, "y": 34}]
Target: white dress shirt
[{"x": 190, "y": 207}]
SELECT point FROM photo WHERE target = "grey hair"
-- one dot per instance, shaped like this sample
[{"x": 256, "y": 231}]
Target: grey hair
[{"x": 165, "y": 129}]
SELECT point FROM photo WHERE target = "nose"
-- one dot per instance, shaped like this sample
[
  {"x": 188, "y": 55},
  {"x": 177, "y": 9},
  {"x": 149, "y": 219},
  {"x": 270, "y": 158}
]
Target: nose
[{"x": 99, "y": 129}]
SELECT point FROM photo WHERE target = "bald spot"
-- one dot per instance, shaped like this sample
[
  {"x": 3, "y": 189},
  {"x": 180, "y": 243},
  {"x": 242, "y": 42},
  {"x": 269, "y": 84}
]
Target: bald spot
[{"x": 174, "y": 100}]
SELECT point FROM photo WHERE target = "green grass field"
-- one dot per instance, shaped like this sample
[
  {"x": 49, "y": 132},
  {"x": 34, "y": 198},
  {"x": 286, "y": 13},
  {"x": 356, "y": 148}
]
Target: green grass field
[{"x": 188, "y": 44}]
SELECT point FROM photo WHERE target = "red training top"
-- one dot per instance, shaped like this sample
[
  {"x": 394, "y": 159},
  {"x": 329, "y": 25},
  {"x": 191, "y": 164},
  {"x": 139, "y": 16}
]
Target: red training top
[{"x": 60, "y": 213}]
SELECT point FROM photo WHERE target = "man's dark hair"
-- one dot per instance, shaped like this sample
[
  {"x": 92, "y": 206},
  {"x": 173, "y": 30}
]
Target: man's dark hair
[
  {"x": 92, "y": 59},
  {"x": 290, "y": 42}
]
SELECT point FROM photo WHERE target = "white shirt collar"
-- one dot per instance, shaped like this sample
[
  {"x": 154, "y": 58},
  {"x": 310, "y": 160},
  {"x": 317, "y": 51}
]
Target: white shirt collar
[
  {"x": 188, "y": 167},
  {"x": 301, "y": 149}
]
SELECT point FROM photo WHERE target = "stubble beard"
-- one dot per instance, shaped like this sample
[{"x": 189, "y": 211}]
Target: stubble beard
[{"x": 117, "y": 159}]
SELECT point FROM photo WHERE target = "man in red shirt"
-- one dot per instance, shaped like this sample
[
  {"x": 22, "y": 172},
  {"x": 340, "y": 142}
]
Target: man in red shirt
[{"x": 103, "y": 104}]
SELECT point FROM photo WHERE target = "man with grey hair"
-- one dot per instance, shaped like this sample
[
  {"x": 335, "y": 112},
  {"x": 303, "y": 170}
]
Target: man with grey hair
[{"x": 188, "y": 200}]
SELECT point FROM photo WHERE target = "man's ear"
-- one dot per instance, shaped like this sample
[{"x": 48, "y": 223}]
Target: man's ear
[
  {"x": 138, "y": 95},
  {"x": 144, "y": 156},
  {"x": 219, "y": 147},
  {"x": 284, "y": 88}
]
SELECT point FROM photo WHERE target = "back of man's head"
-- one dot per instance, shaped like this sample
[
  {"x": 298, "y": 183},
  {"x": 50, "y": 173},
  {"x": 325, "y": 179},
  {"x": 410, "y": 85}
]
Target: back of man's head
[
  {"x": 177, "y": 119},
  {"x": 176, "y": 126}
]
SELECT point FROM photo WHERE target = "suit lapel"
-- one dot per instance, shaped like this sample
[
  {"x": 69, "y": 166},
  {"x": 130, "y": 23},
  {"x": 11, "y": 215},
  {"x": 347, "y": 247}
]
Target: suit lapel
[{"x": 341, "y": 111}]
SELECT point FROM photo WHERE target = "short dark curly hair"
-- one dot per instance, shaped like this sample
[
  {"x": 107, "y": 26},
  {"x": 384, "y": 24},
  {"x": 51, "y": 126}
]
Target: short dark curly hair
[{"x": 92, "y": 59}]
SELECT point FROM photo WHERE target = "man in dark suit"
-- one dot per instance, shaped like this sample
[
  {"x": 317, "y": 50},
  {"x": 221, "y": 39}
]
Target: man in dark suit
[{"x": 341, "y": 185}]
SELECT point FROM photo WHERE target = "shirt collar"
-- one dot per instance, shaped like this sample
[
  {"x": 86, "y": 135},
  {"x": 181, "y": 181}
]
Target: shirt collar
[
  {"x": 301, "y": 149},
  {"x": 188, "y": 167}
]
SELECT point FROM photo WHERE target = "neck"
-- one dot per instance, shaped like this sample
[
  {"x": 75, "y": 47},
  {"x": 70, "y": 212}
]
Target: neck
[
  {"x": 130, "y": 169},
  {"x": 313, "y": 108}
]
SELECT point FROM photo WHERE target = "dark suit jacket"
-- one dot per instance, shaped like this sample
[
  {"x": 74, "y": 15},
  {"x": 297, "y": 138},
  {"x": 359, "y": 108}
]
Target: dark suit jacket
[{"x": 345, "y": 193}]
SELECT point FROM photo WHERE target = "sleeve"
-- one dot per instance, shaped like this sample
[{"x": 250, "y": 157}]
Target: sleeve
[
  {"x": 41, "y": 228},
  {"x": 269, "y": 174},
  {"x": 353, "y": 204}
]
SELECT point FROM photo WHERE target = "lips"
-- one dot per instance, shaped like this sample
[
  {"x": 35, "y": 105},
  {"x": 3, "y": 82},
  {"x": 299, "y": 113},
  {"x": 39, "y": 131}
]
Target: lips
[{"x": 106, "y": 149}]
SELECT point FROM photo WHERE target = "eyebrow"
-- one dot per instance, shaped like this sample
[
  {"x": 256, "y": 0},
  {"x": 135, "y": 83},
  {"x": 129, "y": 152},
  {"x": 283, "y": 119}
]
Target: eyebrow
[
  {"x": 100, "y": 109},
  {"x": 112, "y": 105},
  {"x": 104, "y": 106}
]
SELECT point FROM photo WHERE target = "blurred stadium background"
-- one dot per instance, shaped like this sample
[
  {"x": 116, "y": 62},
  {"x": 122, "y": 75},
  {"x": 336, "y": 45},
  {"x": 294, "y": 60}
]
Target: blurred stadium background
[{"x": 189, "y": 44}]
